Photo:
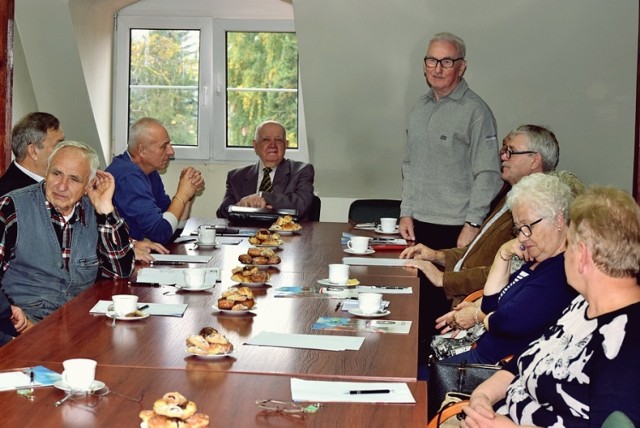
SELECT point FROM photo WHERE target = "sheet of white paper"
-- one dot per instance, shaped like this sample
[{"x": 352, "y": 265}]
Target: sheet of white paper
[
  {"x": 13, "y": 380},
  {"x": 338, "y": 392},
  {"x": 306, "y": 341},
  {"x": 373, "y": 261},
  {"x": 166, "y": 309},
  {"x": 173, "y": 276},
  {"x": 384, "y": 289},
  {"x": 181, "y": 258}
]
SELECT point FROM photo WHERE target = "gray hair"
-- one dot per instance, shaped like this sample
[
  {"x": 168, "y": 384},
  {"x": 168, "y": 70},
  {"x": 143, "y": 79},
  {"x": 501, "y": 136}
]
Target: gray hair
[
  {"x": 86, "y": 151},
  {"x": 270, "y": 122},
  {"x": 140, "y": 129},
  {"x": 543, "y": 141},
  {"x": 31, "y": 129},
  {"x": 544, "y": 194},
  {"x": 453, "y": 39},
  {"x": 570, "y": 179}
]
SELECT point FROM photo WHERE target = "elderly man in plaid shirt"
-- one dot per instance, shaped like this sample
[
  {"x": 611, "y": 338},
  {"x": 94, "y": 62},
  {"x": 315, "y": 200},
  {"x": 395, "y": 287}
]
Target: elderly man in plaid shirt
[{"x": 57, "y": 236}]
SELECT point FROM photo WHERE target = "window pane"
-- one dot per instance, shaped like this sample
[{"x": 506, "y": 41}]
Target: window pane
[
  {"x": 164, "y": 79},
  {"x": 262, "y": 84}
]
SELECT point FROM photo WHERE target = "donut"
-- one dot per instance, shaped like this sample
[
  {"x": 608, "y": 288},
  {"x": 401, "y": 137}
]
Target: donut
[
  {"x": 245, "y": 291},
  {"x": 262, "y": 234},
  {"x": 260, "y": 276},
  {"x": 174, "y": 398},
  {"x": 260, "y": 260},
  {"x": 174, "y": 405},
  {"x": 197, "y": 341},
  {"x": 254, "y": 240},
  {"x": 253, "y": 252},
  {"x": 225, "y": 304},
  {"x": 199, "y": 420},
  {"x": 245, "y": 258},
  {"x": 274, "y": 260},
  {"x": 267, "y": 252}
]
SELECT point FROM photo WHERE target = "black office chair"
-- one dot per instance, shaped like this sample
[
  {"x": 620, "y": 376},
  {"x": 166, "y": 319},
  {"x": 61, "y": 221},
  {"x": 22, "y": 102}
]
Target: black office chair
[
  {"x": 371, "y": 210},
  {"x": 314, "y": 212}
]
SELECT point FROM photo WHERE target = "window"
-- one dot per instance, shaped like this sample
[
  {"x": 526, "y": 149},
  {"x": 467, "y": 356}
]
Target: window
[{"x": 211, "y": 82}]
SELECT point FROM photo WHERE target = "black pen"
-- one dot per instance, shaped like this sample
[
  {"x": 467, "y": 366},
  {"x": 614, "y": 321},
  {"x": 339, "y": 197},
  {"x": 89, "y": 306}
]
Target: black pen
[
  {"x": 31, "y": 376},
  {"x": 370, "y": 391},
  {"x": 387, "y": 287},
  {"x": 143, "y": 307}
]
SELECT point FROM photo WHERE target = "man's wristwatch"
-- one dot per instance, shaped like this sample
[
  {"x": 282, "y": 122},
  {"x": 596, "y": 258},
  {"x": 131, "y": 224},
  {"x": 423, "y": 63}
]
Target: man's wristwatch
[{"x": 474, "y": 225}]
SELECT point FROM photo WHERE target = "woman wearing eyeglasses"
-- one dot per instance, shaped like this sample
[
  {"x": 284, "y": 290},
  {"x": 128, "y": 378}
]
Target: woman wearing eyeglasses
[
  {"x": 516, "y": 308},
  {"x": 585, "y": 367}
]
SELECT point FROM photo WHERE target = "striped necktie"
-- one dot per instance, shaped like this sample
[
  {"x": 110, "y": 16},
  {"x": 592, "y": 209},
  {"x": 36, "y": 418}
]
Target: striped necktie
[{"x": 265, "y": 184}]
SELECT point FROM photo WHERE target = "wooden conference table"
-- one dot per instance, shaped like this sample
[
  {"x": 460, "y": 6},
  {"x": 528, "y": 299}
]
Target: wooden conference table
[{"x": 147, "y": 350}]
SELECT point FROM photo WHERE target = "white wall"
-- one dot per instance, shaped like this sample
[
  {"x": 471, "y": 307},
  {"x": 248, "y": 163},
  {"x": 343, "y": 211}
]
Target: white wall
[{"x": 570, "y": 65}]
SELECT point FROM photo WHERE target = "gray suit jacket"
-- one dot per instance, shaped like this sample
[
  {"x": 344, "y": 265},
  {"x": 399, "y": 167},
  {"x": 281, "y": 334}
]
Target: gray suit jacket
[{"x": 292, "y": 187}]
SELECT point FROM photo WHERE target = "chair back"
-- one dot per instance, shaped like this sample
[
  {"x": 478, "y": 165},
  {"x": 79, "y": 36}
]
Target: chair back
[
  {"x": 371, "y": 210},
  {"x": 314, "y": 212}
]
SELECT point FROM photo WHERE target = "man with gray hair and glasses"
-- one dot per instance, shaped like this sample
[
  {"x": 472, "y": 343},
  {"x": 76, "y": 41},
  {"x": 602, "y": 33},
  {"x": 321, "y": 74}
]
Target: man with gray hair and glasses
[
  {"x": 454, "y": 273},
  {"x": 450, "y": 170},
  {"x": 33, "y": 139},
  {"x": 58, "y": 235}
]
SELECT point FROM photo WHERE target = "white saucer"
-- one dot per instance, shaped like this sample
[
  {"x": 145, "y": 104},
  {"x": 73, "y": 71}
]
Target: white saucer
[
  {"x": 235, "y": 313},
  {"x": 112, "y": 315},
  {"x": 350, "y": 251},
  {"x": 253, "y": 284},
  {"x": 95, "y": 386},
  {"x": 350, "y": 283},
  {"x": 185, "y": 288},
  {"x": 211, "y": 357},
  {"x": 261, "y": 267},
  {"x": 284, "y": 232},
  {"x": 395, "y": 232},
  {"x": 358, "y": 313},
  {"x": 279, "y": 246}
]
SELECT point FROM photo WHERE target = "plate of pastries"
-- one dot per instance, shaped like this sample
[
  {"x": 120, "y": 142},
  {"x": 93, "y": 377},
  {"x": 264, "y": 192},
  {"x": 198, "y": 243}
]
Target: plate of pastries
[
  {"x": 250, "y": 276},
  {"x": 285, "y": 225},
  {"x": 173, "y": 410},
  {"x": 264, "y": 238},
  {"x": 236, "y": 301},
  {"x": 209, "y": 344},
  {"x": 261, "y": 257}
]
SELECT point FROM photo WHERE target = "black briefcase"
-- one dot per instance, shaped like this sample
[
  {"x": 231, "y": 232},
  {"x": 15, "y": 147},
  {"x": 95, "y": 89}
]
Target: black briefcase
[{"x": 245, "y": 216}]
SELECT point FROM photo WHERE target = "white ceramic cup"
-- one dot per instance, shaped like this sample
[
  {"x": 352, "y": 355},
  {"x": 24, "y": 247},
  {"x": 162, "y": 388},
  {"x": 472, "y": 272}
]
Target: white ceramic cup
[
  {"x": 338, "y": 273},
  {"x": 369, "y": 303},
  {"x": 79, "y": 373},
  {"x": 194, "y": 278},
  {"x": 388, "y": 224},
  {"x": 124, "y": 304},
  {"x": 359, "y": 244},
  {"x": 207, "y": 235}
]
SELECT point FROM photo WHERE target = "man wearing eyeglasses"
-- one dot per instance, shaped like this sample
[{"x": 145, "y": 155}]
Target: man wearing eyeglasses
[
  {"x": 526, "y": 150},
  {"x": 450, "y": 171}
]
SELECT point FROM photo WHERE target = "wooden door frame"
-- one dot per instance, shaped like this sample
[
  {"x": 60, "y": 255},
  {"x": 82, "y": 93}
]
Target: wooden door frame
[{"x": 7, "y": 8}]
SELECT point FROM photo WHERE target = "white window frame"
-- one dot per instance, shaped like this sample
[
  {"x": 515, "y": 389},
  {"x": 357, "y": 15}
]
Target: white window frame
[{"x": 212, "y": 120}]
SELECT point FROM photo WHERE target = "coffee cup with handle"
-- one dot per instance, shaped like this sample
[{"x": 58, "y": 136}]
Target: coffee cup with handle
[
  {"x": 359, "y": 244},
  {"x": 79, "y": 374}
]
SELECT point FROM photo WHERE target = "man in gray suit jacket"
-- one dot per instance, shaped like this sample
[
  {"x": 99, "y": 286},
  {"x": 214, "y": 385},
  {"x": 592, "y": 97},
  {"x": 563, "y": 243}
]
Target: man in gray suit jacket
[{"x": 273, "y": 182}]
